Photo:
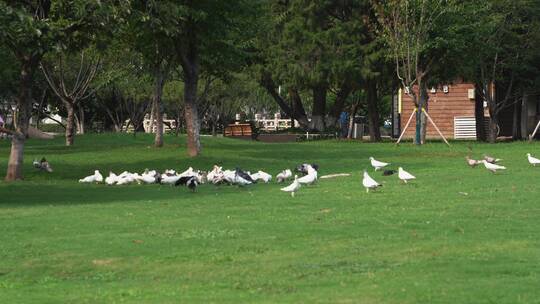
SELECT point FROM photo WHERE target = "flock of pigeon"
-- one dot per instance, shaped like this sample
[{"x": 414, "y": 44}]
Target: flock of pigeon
[
  {"x": 193, "y": 178},
  {"x": 491, "y": 163}
]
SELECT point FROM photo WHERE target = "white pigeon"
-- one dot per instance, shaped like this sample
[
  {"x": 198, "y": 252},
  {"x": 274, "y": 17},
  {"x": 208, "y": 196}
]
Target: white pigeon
[
  {"x": 377, "y": 164},
  {"x": 404, "y": 175},
  {"x": 125, "y": 180},
  {"x": 292, "y": 188},
  {"x": 533, "y": 160},
  {"x": 283, "y": 175},
  {"x": 310, "y": 178},
  {"x": 229, "y": 176},
  {"x": 188, "y": 172},
  {"x": 88, "y": 179},
  {"x": 261, "y": 175},
  {"x": 111, "y": 179},
  {"x": 492, "y": 167},
  {"x": 147, "y": 178},
  {"x": 95, "y": 178},
  {"x": 169, "y": 179},
  {"x": 99, "y": 177},
  {"x": 369, "y": 183},
  {"x": 170, "y": 172},
  {"x": 212, "y": 175}
]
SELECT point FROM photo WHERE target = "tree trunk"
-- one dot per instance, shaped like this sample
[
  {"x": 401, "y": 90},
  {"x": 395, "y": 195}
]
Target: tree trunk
[
  {"x": 524, "y": 116},
  {"x": 420, "y": 137},
  {"x": 373, "y": 112},
  {"x": 493, "y": 122},
  {"x": 479, "y": 114},
  {"x": 319, "y": 108},
  {"x": 341, "y": 97},
  {"x": 354, "y": 109},
  {"x": 70, "y": 123},
  {"x": 298, "y": 111},
  {"x": 80, "y": 125},
  {"x": 158, "y": 92},
  {"x": 191, "y": 115},
  {"x": 516, "y": 123},
  {"x": 24, "y": 106}
]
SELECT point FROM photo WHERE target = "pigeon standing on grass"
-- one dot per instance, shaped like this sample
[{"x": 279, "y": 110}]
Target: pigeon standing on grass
[
  {"x": 190, "y": 181},
  {"x": 377, "y": 164},
  {"x": 369, "y": 183},
  {"x": 292, "y": 188},
  {"x": 472, "y": 162},
  {"x": 310, "y": 178},
  {"x": 42, "y": 165},
  {"x": 95, "y": 178},
  {"x": 111, "y": 179},
  {"x": 533, "y": 160},
  {"x": 283, "y": 175},
  {"x": 491, "y": 159},
  {"x": 493, "y": 167},
  {"x": 404, "y": 175}
]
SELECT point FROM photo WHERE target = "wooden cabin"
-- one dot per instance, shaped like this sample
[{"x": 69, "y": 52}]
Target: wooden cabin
[{"x": 452, "y": 108}]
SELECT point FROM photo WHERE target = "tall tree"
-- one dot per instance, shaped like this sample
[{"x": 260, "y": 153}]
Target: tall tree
[
  {"x": 30, "y": 29},
  {"x": 211, "y": 36},
  {"x": 421, "y": 38},
  {"x": 153, "y": 28},
  {"x": 70, "y": 78},
  {"x": 506, "y": 66}
]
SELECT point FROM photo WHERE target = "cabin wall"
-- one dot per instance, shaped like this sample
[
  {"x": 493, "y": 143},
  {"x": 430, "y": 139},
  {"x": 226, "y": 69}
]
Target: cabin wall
[{"x": 442, "y": 107}]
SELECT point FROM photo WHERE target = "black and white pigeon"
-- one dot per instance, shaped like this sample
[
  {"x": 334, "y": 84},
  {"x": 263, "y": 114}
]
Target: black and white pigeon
[
  {"x": 243, "y": 178},
  {"x": 491, "y": 159},
  {"x": 303, "y": 168},
  {"x": 43, "y": 164},
  {"x": 190, "y": 181}
]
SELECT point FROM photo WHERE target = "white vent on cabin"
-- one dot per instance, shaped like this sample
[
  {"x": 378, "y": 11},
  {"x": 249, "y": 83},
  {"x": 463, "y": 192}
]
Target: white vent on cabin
[
  {"x": 464, "y": 127},
  {"x": 445, "y": 89},
  {"x": 433, "y": 90},
  {"x": 470, "y": 93}
]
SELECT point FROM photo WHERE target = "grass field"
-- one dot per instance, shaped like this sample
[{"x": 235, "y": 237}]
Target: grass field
[{"x": 456, "y": 235}]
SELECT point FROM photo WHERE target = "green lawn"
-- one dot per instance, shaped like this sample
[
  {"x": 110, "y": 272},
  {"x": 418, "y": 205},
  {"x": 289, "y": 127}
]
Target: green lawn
[{"x": 456, "y": 235}]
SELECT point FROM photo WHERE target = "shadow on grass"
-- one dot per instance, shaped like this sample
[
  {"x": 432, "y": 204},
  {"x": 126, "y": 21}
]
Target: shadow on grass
[{"x": 23, "y": 194}]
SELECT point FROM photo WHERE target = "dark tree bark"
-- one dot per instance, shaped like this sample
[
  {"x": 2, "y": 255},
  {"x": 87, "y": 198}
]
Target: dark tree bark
[
  {"x": 479, "y": 114},
  {"x": 341, "y": 97},
  {"x": 493, "y": 128},
  {"x": 516, "y": 123},
  {"x": 524, "y": 116},
  {"x": 297, "y": 112},
  {"x": 319, "y": 108},
  {"x": 373, "y": 111}
]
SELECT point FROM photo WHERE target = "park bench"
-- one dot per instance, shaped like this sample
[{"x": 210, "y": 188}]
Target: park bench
[{"x": 238, "y": 130}]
